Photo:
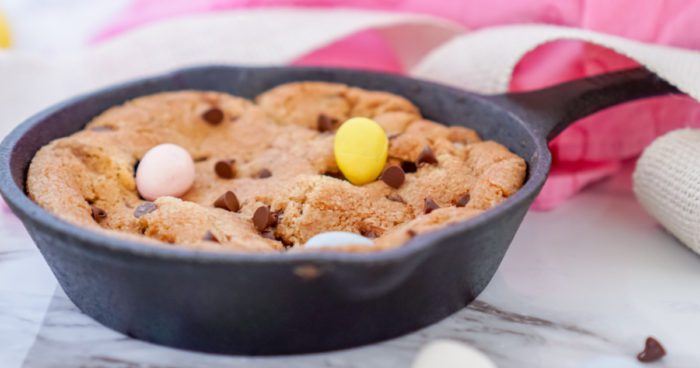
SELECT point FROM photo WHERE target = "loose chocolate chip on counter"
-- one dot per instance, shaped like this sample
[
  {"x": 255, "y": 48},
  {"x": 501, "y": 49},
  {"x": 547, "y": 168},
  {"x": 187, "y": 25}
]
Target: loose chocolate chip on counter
[
  {"x": 393, "y": 176},
  {"x": 264, "y": 173},
  {"x": 145, "y": 208},
  {"x": 263, "y": 218},
  {"x": 653, "y": 351},
  {"x": 426, "y": 156},
  {"x": 463, "y": 200},
  {"x": 225, "y": 169},
  {"x": 228, "y": 201},
  {"x": 409, "y": 166},
  {"x": 208, "y": 236},
  {"x": 430, "y": 205},
  {"x": 326, "y": 123},
  {"x": 98, "y": 214},
  {"x": 213, "y": 116},
  {"x": 396, "y": 198}
]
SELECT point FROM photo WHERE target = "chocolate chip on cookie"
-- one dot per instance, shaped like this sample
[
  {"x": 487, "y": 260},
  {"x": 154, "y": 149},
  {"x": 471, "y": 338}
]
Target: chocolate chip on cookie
[
  {"x": 409, "y": 166},
  {"x": 98, "y": 214},
  {"x": 264, "y": 173},
  {"x": 225, "y": 169},
  {"x": 430, "y": 205},
  {"x": 326, "y": 123},
  {"x": 393, "y": 176},
  {"x": 213, "y": 116},
  {"x": 263, "y": 218},
  {"x": 427, "y": 156},
  {"x": 208, "y": 236},
  {"x": 411, "y": 233},
  {"x": 228, "y": 201},
  {"x": 145, "y": 208},
  {"x": 371, "y": 234},
  {"x": 396, "y": 198},
  {"x": 463, "y": 200},
  {"x": 337, "y": 175}
]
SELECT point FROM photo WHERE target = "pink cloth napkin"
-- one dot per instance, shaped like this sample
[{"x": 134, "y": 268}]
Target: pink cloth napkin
[{"x": 590, "y": 150}]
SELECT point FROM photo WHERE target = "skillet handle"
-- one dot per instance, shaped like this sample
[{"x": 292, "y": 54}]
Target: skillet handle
[{"x": 553, "y": 109}]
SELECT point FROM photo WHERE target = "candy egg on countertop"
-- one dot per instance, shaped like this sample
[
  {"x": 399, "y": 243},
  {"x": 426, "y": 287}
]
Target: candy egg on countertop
[
  {"x": 361, "y": 149},
  {"x": 335, "y": 239},
  {"x": 450, "y": 354},
  {"x": 165, "y": 170}
]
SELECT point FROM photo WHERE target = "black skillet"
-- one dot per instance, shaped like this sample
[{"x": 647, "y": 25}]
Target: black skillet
[{"x": 300, "y": 302}]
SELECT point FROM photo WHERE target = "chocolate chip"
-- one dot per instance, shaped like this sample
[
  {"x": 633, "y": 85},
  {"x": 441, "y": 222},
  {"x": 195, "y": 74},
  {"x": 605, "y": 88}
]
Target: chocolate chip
[
  {"x": 145, "y": 208},
  {"x": 263, "y": 218},
  {"x": 393, "y": 176},
  {"x": 653, "y": 351},
  {"x": 264, "y": 173},
  {"x": 225, "y": 169},
  {"x": 409, "y": 167},
  {"x": 411, "y": 233},
  {"x": 208, "y": 236},
  {"x": 338, "y": 175},
  {"x": 326, "y": 123},
  {"x": 228, "y": 201},
  {"x": 430, "y": 205},
  {"x": 426, "y": 156},
  {"x": 396, "y": 198},
  {"x": 371, "y": 234},
  {"x": 98, "y": 214},
  {"x": 213, "y": 116},
  {"x": 463, "y": 200}
]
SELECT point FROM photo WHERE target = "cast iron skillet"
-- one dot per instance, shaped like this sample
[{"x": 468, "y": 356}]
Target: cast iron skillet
[{"x": 300, "y": 302}]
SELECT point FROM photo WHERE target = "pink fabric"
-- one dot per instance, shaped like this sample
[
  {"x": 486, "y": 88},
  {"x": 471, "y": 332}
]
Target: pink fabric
[{"x": 590, "y": 150}]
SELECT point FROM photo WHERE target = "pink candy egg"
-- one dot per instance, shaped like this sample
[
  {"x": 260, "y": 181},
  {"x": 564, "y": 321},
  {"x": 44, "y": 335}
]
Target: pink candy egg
[{"x": 165, "y": 170}]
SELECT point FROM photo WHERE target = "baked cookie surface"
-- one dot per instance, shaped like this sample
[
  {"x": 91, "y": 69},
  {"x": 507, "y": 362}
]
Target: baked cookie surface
[{"x": 280, "y": 150}]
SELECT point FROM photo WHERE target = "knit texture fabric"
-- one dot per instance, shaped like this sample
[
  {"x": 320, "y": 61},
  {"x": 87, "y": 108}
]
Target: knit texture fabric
[{"x": 667, "y": 184}]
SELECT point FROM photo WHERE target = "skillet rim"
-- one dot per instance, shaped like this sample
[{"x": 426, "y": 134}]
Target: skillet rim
[{"x": 28, "y": 210}]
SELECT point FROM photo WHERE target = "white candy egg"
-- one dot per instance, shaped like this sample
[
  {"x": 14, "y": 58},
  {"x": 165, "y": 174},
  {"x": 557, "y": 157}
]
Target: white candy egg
[
  {"x": 336, "y": 239},
  {"x": 451, "y": 354},
  {"x": 165, "y": 170}
]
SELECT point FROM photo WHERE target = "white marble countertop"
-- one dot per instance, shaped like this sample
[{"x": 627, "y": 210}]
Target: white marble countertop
[{"x": 581, "y": 286}]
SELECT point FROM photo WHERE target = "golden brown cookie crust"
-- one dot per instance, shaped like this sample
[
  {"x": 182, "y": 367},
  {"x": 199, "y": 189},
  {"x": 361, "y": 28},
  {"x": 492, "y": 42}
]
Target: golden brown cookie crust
[{"x": 283, "y": 150}]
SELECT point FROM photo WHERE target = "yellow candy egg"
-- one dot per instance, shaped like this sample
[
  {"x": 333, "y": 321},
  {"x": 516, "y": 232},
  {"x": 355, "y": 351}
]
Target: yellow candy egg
[
  {"x": 360, "y": 149},
  {"x": 4, "y": 32}
]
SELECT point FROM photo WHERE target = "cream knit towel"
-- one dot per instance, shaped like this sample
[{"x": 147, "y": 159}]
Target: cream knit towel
[{"x": 667, "y": 184}]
